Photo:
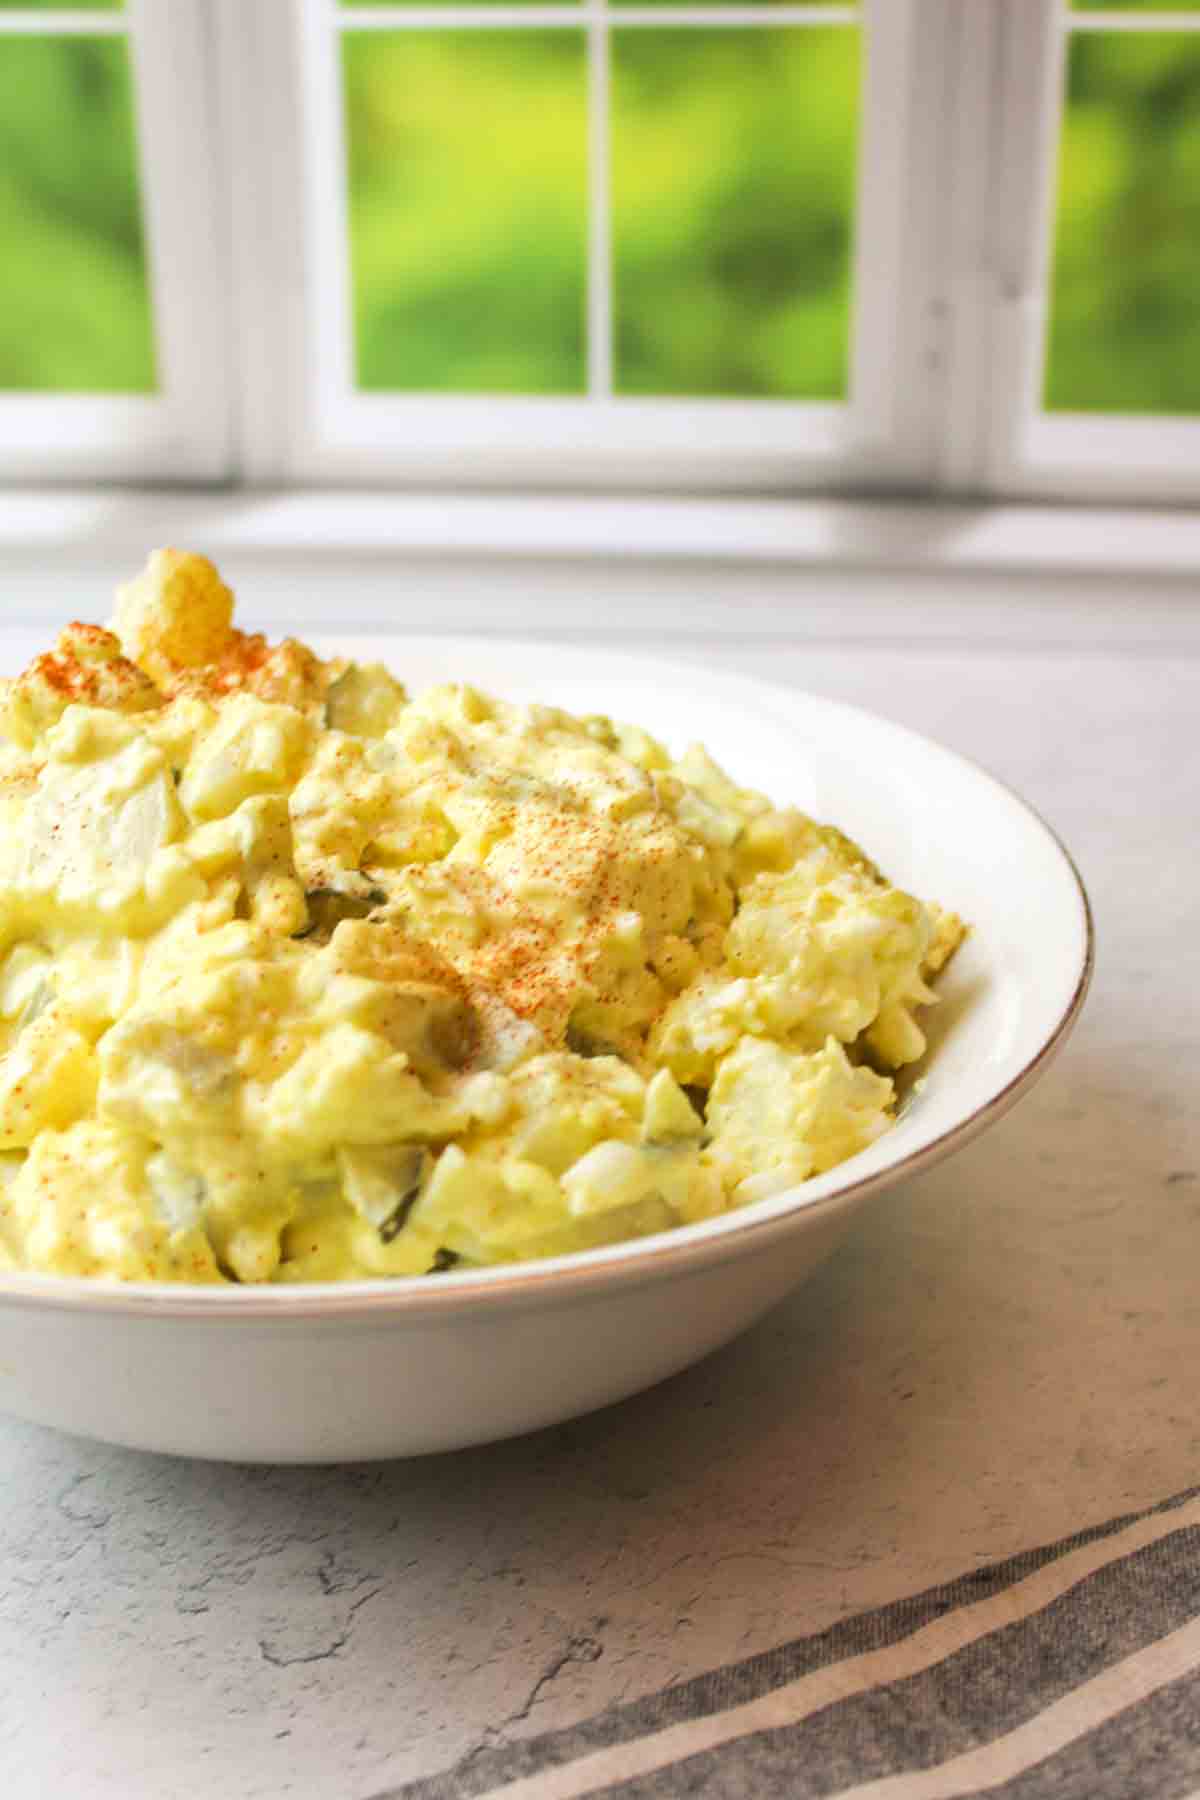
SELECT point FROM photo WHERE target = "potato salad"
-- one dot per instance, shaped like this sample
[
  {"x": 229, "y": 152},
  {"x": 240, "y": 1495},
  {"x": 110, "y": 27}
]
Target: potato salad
[{"x": 303, "y": 977}]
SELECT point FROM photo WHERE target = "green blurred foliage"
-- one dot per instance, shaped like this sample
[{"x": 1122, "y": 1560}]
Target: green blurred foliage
[
  {"x": 733, "y": 170},
  {"x": 1125, "y": 298},
  {"x": 76, "y": 308},
  {"x": 733, "y": 197},
  {"x": 468, "y": 209}
]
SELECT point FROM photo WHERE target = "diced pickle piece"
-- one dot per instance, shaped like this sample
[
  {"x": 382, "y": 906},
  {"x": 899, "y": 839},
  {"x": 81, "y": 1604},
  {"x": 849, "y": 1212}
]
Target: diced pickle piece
[{"x": 384, "y": 1184}]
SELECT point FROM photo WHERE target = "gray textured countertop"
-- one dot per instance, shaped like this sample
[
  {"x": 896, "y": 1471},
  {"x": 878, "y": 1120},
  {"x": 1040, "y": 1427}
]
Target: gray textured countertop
[{"x": 1004, "y": 1352}]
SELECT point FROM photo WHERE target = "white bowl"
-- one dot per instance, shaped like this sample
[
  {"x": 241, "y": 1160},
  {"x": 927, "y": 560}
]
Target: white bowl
[{"x": 326, "y": 1373}]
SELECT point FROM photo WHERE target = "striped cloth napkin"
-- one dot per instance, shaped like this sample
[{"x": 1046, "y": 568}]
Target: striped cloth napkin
[{"x": 1070, "y": 1672}]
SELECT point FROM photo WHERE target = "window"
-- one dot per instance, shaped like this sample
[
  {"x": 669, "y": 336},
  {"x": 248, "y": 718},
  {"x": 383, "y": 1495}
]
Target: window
[
  {"x": 599, "y": 242},
  {"x": 77, "y": 299},
  {"x": 768, "y": 245},
  {"x": 111, "y": 340},
  {"x": 596, "y": 242},
  {"x": 1094, "y": 329},
  {"x": 660, "y": 205},
  {"x": 1124, "y": 319}
]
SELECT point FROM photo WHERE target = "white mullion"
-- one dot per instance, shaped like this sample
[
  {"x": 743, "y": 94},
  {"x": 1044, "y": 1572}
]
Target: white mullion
[
  {"x": 891, "y": 210},
  {"x": 73, "y": 23},
  {"x": 260, "y": 142},
  {"x": 923, "y": 282},
  {"x": 1007, "y": 76},
  {"x": 185, "y": 265},
  {"x": 600, "y": 269},
  {"x": 326, "y": 371},
  {"x": 968, "y": 271},
  {"x": 1026, "y": 249},
  {"x": 1032, "y": 100}
]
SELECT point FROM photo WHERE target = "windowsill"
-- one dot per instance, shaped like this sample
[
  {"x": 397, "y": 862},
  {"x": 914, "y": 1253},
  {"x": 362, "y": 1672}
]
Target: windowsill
[{"x": 831, "y": 533}]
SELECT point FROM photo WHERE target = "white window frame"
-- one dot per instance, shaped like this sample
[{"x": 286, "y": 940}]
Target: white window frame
[
  {"x": 181, "y": 431},
  {"x": 302, "y": 421},
  {"x": 997, "y": 439},
  {"x": 238, "y": 106}
]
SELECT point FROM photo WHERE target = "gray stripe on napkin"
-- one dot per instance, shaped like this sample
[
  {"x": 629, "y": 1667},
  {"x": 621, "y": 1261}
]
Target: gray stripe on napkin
[
  {"x": 1150, "y": 1752},
  {"x": 971, "y": 1697},
  {"x": 734, "y": 1684}
]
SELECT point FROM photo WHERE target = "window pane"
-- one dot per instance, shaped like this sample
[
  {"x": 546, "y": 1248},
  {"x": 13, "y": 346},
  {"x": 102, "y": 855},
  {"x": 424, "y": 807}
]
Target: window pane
[
  {"x": 468, "y": 209},
  {"x": 1125, "y": 322},
  {"x": 733, "y": 191},
  {"x": 61, "y": 5},
  {"x": 76, "y": 306}
]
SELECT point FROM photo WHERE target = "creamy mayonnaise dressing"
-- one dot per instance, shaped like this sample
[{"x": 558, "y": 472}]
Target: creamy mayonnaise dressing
[{"x": 303, "y": 978}]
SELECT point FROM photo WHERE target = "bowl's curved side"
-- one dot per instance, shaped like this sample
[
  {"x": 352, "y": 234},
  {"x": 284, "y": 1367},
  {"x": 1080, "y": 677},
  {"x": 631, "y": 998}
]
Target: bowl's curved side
[{"x": 342, "y": 1389}]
